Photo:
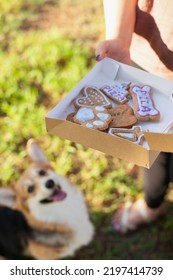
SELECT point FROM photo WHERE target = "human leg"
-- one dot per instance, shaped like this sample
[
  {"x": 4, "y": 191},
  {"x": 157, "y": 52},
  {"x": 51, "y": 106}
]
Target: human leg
[
  {"x": 156, "y": 180},
  {"x": 143, "y": 211}
]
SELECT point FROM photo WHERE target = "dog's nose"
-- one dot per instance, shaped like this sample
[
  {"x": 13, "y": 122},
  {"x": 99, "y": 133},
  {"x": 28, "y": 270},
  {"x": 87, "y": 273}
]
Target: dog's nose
[{"x": 50, "y": 184}]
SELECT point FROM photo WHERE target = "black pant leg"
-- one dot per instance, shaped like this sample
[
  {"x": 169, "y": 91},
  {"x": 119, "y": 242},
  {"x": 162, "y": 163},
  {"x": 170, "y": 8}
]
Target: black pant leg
[
  {"x": 171, "y": 168},
  {"x": 156, "y": 180}
]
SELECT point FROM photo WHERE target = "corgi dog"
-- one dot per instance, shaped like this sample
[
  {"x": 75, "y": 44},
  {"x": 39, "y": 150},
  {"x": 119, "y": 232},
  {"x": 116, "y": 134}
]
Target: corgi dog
[{"x": 44, "y": 216}]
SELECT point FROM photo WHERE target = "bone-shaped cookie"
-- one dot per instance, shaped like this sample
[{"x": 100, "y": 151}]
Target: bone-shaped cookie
[
  {"x": 117, "y": 92},
  {"x": 134, "y": 134},
  {"x": 92, "y": 96},
  {"x": 144, "y": 107},
  {"x": 94, "y": 117}
]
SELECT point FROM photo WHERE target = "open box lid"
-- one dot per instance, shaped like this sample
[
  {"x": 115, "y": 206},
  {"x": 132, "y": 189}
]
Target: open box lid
[{"x": 162, "y": 142}]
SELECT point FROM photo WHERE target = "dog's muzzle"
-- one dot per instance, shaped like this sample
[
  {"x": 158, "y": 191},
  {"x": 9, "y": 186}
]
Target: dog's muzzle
[{"x": 57, "y": 193}]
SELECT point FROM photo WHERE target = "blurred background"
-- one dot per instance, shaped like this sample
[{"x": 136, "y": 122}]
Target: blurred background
[{"x": 46, "y": 47}]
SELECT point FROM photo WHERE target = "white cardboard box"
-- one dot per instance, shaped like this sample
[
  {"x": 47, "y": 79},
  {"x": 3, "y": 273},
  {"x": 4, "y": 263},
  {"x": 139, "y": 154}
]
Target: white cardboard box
[{"x": 158, "y": 136}]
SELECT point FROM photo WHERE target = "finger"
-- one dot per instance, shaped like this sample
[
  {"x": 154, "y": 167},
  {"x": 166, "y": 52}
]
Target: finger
[{"x": 101, "y": 51}]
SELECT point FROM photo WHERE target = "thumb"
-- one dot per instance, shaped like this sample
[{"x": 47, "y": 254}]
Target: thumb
[{"x": 101, "y": 51}]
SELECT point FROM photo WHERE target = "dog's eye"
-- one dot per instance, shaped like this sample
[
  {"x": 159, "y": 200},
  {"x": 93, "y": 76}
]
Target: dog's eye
[
  {"x": 42, "y": 172},
  {"x": 30, "y": 189}
]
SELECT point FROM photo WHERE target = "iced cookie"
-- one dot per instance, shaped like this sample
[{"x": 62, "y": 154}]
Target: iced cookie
[
  {"x": 122, "y": 116},
  {"x": 117, "y": 92},
  {"x": 92, "y": 96},
  {"x": 133, "y": 134},
  {"x": 144, "y": 107},
  {"x": 94, "y": 117}
]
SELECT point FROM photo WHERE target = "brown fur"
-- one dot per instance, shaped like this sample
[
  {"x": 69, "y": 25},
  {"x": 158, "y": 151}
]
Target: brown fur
[{"x": 20, "y": 196}]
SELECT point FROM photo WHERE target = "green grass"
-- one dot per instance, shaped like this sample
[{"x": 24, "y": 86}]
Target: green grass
[{"x": 38, "y": 68}]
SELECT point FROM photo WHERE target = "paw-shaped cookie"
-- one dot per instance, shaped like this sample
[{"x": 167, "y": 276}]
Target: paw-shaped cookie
[
  {"x": 122, "y": 116},
  {"x": 92, "y": 96},
  {"x": 96, "y": 117}
]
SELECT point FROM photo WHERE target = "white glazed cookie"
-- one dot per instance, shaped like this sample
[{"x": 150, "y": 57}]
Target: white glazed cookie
[
  {"x": 144, "y": 108},
  {"x": 95, "y": 117},
  {"x": 134, "y": 134},
  {"x": 92, "y": 96},
  {"x": 117, "y": 92}
]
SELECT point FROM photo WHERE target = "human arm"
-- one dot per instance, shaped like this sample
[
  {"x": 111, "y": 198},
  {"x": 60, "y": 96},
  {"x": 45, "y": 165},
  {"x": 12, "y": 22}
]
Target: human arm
[{"x": 120, "y": 16}]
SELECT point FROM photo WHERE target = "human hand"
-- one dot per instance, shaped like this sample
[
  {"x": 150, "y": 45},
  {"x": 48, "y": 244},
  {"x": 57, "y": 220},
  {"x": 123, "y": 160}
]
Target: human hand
[{"x": 114, "y": 49}]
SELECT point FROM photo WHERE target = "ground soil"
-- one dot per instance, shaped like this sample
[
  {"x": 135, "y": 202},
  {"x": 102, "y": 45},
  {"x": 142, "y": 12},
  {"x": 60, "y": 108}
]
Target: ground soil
[{"x": 78, "y": 20}]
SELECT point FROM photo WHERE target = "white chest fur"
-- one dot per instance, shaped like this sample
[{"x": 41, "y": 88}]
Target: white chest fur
[{"x": 71, "y": 212}]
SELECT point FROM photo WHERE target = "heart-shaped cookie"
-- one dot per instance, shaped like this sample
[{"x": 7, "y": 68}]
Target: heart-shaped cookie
[
  {"x": 122, "y": 116},
  {"x": 92, "y": 96}
]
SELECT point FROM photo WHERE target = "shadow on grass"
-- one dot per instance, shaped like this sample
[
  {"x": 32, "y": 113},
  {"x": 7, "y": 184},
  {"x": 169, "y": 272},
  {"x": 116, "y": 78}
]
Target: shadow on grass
[{"x": 150, "y": 242}]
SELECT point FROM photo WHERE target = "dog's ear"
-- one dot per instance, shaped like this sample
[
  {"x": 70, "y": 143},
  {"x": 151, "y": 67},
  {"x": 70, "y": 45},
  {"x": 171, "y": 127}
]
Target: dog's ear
[
  {"x": 7, "y": 197},
  {"x": 35, "y": 153}
]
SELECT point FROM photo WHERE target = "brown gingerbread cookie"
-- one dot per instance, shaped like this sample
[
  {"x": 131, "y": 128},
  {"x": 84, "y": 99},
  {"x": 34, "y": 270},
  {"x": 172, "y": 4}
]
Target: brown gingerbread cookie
[
  {"x": 93, "y": 117},
  {"x": 134, "y": 134},
  {"x": 70, "y": 117},
  {"x": 122, "y": 116},
  {"x": 117, "y": 92},
  {"x": 144, "y": 106},
  {"x": 92, "y": 96}
]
